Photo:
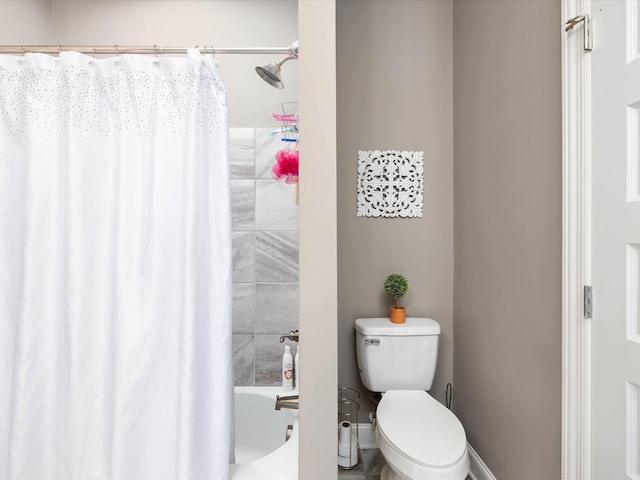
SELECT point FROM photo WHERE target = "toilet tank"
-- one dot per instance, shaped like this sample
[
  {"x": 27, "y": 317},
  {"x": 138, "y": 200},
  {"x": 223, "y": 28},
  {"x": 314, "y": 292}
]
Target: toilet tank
[{"x": 397, "y": 356}]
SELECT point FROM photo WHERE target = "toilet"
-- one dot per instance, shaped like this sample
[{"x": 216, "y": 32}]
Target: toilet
[{"x": 419, "y": 438}]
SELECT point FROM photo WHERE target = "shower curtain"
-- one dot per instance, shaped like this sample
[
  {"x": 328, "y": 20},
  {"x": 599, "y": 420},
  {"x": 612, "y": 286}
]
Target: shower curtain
[{"x": 115, "y": 268}]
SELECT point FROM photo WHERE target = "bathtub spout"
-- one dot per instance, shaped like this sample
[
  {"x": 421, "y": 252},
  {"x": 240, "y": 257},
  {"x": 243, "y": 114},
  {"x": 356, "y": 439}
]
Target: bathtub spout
[{"x": 290, "y": 401}]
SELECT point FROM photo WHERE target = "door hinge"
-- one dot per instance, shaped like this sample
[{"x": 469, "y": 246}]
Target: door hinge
[
  {"x": 587, "y": 34},
  {"x": 588, "y": 302}
]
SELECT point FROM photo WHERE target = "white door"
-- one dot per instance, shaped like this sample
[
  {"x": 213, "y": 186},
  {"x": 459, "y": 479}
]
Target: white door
[{"x": 616, "y": 240}]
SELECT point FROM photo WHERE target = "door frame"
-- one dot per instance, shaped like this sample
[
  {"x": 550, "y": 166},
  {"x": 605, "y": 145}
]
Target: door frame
[{"x": 576, "y": 246}]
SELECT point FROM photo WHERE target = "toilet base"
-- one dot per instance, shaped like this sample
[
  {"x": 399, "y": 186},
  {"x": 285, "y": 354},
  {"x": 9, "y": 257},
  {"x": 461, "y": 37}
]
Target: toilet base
[
  {"x": 406, "y": 470},
  {"x": 389, "y": 473}
]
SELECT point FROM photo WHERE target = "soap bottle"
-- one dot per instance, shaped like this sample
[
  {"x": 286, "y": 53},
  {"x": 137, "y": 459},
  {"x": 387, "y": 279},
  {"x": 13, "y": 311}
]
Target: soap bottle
[
  {"x": 296, "y": 367},
  {"x": 287, "y": 369}
]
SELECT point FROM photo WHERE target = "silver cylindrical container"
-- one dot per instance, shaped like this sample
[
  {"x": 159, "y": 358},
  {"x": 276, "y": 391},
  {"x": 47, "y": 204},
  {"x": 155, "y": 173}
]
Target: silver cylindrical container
[{"x": 348, "y": 446}]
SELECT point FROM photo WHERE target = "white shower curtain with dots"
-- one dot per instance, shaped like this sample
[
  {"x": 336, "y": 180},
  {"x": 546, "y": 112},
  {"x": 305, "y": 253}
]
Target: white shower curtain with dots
[{"x": 115, "y": 268}]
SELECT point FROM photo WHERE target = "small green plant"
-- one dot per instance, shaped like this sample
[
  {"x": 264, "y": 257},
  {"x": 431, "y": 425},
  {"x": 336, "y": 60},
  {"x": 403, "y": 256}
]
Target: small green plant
[{"x": 396, "y": 286}]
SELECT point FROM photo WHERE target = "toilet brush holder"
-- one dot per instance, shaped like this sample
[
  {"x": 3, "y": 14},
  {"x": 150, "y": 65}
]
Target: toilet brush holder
[{"x": 348, "y": 446}]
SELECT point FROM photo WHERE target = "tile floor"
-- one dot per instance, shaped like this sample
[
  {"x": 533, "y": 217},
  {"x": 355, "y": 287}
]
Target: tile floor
[{"x": 369, "y": 467}]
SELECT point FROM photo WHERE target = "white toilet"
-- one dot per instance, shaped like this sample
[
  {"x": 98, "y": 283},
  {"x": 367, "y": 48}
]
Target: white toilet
[{"x": 419, "y": 437}]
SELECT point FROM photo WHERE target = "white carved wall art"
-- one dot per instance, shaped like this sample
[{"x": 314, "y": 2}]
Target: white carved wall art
[{"x": 390, "y": 183}]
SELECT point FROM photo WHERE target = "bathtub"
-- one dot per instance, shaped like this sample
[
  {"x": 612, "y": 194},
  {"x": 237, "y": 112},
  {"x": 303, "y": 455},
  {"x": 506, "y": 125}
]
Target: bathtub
[{"x": 260, "y": 449}]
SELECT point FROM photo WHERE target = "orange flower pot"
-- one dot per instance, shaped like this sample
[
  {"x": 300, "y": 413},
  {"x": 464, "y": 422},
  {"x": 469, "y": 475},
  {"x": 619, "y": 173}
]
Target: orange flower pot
[{"x": 398, "y": 315}]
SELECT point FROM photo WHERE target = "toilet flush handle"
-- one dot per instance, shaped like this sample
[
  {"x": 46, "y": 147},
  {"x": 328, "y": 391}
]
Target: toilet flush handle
[{"x": 372, "y": 341}]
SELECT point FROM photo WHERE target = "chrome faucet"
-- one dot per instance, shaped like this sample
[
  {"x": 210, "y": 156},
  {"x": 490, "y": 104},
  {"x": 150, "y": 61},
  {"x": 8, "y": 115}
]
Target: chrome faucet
[{"x": 290, "y": 401}]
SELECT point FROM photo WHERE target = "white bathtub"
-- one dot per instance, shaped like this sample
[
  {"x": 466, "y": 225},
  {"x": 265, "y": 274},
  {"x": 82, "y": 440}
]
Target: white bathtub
[{"x": 260, "y": 430}]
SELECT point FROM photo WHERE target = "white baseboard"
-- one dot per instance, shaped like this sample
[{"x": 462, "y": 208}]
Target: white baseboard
[
  {"x": 367, "y": 436},
  {"x": 478, "y": 470}
]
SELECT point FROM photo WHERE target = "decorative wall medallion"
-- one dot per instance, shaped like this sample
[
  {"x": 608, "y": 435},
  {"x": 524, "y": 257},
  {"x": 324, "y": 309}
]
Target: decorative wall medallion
[{"x": 390, "y": 183}]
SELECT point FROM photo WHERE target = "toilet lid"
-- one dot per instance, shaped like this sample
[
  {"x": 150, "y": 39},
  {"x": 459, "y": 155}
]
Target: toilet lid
[{"x": 421, "y": 428}]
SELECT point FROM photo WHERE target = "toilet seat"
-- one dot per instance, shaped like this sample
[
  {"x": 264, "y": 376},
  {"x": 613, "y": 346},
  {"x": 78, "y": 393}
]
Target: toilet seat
[{"x": 421, "y": 429}]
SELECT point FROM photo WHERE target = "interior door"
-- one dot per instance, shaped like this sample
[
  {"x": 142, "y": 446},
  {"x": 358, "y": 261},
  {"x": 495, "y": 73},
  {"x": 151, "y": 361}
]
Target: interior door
[{"x": 615, "y": 240}]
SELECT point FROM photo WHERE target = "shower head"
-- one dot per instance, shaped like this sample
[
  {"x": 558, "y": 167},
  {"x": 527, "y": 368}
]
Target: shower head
[{"x": 271, "y": 73}]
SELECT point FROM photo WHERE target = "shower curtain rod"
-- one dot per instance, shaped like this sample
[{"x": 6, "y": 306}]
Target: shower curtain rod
[{"x": 150, "y": 50}]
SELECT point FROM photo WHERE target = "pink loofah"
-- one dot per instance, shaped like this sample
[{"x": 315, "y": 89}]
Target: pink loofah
[{"x": 286, "y": 165}]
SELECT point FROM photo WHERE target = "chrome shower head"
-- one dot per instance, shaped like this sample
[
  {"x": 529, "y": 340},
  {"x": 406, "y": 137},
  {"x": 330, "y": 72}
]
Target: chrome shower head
[{"x": 271, "y": 73}]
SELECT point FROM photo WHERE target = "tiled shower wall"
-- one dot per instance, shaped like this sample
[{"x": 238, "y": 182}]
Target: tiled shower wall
[{"x": 265, "y": 257}]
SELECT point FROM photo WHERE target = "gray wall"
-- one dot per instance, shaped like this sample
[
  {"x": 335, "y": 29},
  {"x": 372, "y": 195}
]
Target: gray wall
[
  {"x": 508, "y": 214},
  {"x": 25, "y": 22},
  {"x": 394, "y": 91}
]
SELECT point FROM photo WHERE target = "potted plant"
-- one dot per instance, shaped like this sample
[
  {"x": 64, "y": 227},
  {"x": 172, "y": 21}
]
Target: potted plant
[{"x": 396, "y": 286}]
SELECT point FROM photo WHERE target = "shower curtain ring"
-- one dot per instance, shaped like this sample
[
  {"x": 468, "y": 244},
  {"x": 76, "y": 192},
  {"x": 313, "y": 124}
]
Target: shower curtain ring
[
  {"x": 117, "y": 51},
  {"x": 22, "y": 50},
  {"x": 155, "y": 50}
]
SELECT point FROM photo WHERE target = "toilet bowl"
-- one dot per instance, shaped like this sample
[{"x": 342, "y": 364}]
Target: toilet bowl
[{"x": 420, "y": 438}]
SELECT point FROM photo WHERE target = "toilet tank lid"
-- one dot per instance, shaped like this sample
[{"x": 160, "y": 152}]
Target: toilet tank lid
[{"x": 383, "y": 326}]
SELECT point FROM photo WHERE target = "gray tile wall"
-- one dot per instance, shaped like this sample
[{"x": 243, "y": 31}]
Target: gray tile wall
[{"x": 265, "y": 257}]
